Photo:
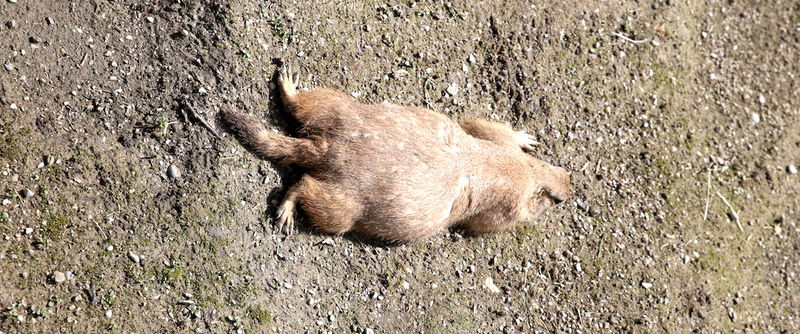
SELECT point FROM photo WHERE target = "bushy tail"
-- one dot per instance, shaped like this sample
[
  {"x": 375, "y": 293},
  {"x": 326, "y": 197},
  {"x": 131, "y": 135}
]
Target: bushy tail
[{"x": 269, "y": 145}]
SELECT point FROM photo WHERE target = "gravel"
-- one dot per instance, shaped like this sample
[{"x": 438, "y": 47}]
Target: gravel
[
  {"x": 453, "y": 89},
  {"x": 134, "y": 257},
  {"x": 489, "y": 284},
  {"x": 174, "y": 172},
  {"x": 646, "y": 192},
  {"x": 58, "y": 277}
]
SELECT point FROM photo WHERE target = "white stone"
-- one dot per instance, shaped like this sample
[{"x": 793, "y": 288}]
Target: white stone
[{"x": 489, "y": 284}]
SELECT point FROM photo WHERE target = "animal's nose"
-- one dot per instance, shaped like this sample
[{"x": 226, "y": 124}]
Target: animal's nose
[{"x": 558, "y": 187}]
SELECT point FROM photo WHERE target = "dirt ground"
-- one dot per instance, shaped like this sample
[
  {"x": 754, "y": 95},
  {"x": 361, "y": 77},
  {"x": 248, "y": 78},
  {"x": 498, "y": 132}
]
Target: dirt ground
[{"x": 679, "y": 121}]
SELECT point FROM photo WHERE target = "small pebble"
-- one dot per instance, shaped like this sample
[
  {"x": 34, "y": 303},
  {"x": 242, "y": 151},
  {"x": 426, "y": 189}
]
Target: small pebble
[
  {"x": 405, "y": 285},
  {"x": 755, "y": 117},
  {"x": 109, "y": 314},
  {"x": 58, "y": 277},
  {"x": 762, "y": 99},
  {"x": 27, "y": 193},
  {"x": 28, "y": 230},
  {"x": 369, "y": 331},
  {"x": 173, "y": 172},
  {"x": 11, "y": 24},
  {"x": 328, "y": 241},
  {"x": 49, "y": 20},
  {"x": 453, "y": 89},
  {"x": 489, "y": 284},
  {"x": 151, "y": 19},
  {"x": 9, "y": 67},
  {"x": 792, "y": 169},
  {"x": 399, "y": 73},
  {"x": 133, "y": 257},
  {"x": 647, "y": 285}
]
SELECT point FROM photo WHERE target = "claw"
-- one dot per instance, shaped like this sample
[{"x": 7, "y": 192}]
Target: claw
[
  {"x": 526, "y": 141},
  {"x": 285, "y": 215},
  {"x": 287, "y": 81},
  {"x": 285, "y": 221}
]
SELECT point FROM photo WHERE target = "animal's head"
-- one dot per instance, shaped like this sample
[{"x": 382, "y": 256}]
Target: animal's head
[{"x": 550, "y": 186}]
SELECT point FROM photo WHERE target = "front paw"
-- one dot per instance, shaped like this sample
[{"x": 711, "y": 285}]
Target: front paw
[{"x": 525, "y": 141}]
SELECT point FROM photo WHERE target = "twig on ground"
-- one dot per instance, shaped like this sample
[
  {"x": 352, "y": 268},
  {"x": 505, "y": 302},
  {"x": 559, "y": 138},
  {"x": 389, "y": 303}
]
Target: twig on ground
[
  {"x": 628, "y": 39},
  {"x": 730, "y": 207},
  {"x": 100, "y": 230},
  {"x": 708, "y": 195},
  {"x": 425, "y": 93},
  {"x": 187, "y": 107}
]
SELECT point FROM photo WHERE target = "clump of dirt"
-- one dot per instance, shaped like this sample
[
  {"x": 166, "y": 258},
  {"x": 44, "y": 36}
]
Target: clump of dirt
[{"x": 122, "y": 211}]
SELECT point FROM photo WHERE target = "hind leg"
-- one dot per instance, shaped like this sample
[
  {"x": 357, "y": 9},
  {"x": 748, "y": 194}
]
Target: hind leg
[
  {"x": 330, "y": 209},
  {"x": 307, "y": 106}
]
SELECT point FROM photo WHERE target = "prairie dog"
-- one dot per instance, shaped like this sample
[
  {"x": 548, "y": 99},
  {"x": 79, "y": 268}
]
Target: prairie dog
[{"x": 399, "y": 173}]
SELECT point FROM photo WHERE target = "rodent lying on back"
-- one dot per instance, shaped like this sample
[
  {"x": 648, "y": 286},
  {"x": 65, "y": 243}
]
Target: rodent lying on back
[{"x": 400, "y": 173}]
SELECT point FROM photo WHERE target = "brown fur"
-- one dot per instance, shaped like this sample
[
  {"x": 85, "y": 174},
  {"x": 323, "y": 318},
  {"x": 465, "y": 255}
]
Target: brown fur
[{"x": 401, "y": 173}]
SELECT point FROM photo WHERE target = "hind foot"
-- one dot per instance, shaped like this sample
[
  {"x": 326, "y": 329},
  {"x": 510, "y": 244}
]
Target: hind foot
[
  {"x": 286, "y": 218},
  {"x": 287, "y": 81},
  {"x": 287, "y": 210}
]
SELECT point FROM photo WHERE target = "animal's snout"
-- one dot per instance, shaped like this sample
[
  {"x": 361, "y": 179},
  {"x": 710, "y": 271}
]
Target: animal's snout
[{"x": 558, "y": 188}]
